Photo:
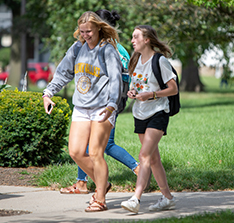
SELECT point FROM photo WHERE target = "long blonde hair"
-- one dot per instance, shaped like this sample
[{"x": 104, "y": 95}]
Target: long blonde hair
[
  {"x": 107, "y": 33},
  {"x": 155, "y": 44}
]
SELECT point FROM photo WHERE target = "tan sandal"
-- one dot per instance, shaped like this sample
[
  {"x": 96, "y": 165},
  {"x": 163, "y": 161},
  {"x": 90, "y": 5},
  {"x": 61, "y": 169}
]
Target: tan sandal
[
  {"x": 96, "y": 206},
  {"x": 93, "y": 196},
  {"x": 73, "y": 190}
]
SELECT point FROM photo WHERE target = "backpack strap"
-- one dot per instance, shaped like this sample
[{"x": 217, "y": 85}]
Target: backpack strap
[
  {"x": 174, "y": 100},
  {"x": 101, "y": 58},
  {"x": 77, "y": 47},
  {"x": 157, "y": 70}
]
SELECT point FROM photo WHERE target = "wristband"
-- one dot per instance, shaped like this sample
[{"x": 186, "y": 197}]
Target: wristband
[
  {"x": 45, "y": 95},
  {"x": 109, "y": 110},
  {"x": 46, "y": 92},
  {"x": 155, "y": 95}
]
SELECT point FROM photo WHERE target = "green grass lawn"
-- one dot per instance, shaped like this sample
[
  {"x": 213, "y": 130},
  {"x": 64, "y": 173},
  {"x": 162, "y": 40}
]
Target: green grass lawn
[{"x": 197, "y": 153}]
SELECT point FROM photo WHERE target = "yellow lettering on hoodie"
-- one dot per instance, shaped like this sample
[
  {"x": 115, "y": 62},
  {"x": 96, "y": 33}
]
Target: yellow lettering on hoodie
[{"x": 87, "y": 68}]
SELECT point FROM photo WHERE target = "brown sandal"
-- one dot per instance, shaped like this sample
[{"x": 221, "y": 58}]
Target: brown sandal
[
  {"x": 96, "y": 206},
  {"x": 73, "y": 190},
  {"x": 93, "y": 196}
]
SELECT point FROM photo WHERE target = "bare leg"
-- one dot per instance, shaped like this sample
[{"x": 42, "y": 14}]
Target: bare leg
[
  {"x": 150, "y": 158},
  {"x": 99, "y": 136},
  {"x": 159, "y": 174},
  {"x": 78, "y": 141}
]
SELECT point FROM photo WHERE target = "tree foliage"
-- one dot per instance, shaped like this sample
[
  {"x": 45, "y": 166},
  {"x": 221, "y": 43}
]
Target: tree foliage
[
  {"x": 191, "y": 30},
  {"x": 62, "y": 19},
  {"x": 212, "y": 3},
  {"x": 191, "y": 26},
  {"x": 188, "y": 27}
]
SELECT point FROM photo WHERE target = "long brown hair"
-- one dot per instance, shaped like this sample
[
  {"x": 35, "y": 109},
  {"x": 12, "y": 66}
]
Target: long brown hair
[
  {"x": 107, "y": 33},
  {"x": 155, "y": 44}
]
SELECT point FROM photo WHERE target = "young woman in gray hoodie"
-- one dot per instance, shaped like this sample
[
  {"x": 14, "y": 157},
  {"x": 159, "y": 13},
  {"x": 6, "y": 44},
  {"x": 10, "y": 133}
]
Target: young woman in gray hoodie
[
  {"x": 95, "y": 98},
  {"x": 112, "y": 149}
]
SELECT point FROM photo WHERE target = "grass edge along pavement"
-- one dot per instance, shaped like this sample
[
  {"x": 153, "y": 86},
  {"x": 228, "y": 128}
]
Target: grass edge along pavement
[{"x": 226, "y": 216}]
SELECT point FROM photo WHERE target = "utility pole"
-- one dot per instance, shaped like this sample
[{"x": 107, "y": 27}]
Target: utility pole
[{"x": 23, "y": 57}]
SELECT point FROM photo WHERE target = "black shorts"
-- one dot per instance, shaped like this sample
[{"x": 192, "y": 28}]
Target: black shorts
[{"x": 158, "y": 121}]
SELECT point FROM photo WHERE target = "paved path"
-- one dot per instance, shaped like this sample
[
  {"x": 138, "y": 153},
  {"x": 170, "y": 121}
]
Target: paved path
[{"x": 52, "y": 207}]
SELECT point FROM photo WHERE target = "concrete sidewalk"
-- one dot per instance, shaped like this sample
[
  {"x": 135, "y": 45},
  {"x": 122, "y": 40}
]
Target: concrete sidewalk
[{"x": 51, "y": 206}]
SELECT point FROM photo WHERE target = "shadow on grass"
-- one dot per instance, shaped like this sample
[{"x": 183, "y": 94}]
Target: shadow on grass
[{"x": 227, "y": 90}]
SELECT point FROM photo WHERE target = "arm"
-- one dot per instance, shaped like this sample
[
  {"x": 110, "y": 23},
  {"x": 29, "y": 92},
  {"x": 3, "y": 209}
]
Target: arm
[
  {"x": 62, "y": 76},
  {"x": 114, "y": 70},
  {"x": 169, "y": 91}
]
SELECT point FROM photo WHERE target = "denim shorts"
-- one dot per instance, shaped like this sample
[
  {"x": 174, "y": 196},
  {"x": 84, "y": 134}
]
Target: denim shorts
[{"x": 158, "y": 121}]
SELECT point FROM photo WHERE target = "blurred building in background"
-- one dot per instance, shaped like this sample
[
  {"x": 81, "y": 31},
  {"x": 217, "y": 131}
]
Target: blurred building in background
[
  {"x": 36, "y": 55},
  {"x": 5, "y": 26}
]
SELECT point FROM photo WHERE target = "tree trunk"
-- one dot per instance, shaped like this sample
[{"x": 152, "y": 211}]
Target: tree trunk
[
  {"x": 190, "y": 80},
  {"x": 15, "y": 63},
  {"x": 23, "y": 47}
]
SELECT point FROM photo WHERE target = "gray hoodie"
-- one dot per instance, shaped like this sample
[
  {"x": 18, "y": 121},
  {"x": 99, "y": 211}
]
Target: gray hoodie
[{"x": 93, "y": 88}]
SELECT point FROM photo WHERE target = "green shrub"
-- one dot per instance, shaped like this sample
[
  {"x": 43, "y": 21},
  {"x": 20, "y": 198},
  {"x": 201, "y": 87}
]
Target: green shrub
[{"x": 29, "y": 136}]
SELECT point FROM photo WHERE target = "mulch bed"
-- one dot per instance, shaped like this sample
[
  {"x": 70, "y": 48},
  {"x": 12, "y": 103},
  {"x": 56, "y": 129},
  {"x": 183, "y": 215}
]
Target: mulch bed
[{"x": 19, "y": 176}]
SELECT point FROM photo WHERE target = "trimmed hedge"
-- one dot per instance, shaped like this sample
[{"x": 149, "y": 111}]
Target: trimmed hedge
[{"x": 29, "y": 136}]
